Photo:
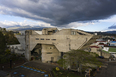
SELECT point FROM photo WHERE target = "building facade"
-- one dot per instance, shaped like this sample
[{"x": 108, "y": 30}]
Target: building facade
[{"x": 50, "y": 43}]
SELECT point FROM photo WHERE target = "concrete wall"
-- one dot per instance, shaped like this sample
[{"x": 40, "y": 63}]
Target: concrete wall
[
  {"x": 106, "y": 55},
  {"x": 21, "y": 39},
  {"x": 27, "y": 45},
  {"x": 95, "y": 50},
  {"x": 62, "y": 41},
  {"x": 49, "y": 51}
]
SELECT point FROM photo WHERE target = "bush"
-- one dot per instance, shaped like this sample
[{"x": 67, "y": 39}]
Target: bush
[
  {"x": 64, "y": 73},
  {"x": 4, "y": 60},
  {"x": 7, "y": 52}
]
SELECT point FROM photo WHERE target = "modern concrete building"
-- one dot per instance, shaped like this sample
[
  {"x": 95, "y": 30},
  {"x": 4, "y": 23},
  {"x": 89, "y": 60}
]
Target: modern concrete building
[{"x": 49, "y": 44}]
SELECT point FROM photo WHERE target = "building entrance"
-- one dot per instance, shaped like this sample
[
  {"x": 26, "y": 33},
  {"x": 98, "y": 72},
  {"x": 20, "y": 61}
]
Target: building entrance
[{"x": 36, "y": 52}]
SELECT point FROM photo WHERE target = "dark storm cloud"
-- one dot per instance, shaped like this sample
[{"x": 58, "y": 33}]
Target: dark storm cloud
[
  {"x": 34, "y": 0},
  {"x": 60, "y": 12},
  {"x": 112, "y": 27}
]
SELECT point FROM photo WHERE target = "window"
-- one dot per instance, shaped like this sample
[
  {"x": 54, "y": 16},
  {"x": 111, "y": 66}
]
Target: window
[
  {"x": 37, "y": 38},
  {"x": 49, "y": 52},
  {"x": 42, "y": 38},
  {"x": 54, "y": 31},
  {"x": 50, "y": 48},
  {"x": 47, "y": 39},
  {"x": 53, "y": 39},
  {"x": 73, "y": 33},
  {"x": 80, "y": 33}
]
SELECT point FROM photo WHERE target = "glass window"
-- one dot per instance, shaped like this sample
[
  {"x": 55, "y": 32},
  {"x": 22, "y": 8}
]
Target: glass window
[
  {"x": 53, "y": 39},
  {"x": 37, "y": 38},
  {"x": 42, "y": 38},
  {"x": 47, "y": 39},
  {"x": 49, "y": 52},
  {"x": 73, "y": 33}
]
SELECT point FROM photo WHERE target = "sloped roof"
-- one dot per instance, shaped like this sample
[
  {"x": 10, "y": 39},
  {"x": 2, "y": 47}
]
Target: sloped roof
[{"x": 94, "y": 47}]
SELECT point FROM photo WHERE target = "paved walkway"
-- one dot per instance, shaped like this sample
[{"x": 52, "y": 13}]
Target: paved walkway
[
  {"x": 3, "y": 74},
  {"x": 109, "y": 71},
  {"x": 33, "y": 69}
]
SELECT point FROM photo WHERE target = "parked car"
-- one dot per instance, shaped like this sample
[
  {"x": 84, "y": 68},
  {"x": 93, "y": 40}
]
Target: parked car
[{"x": 101, "y": 57}]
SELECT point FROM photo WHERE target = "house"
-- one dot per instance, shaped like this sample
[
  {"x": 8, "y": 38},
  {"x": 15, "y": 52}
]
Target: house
[
  {"x": 16, "y": 48},
  {"x": 112, "y": 43},
  {"x": 99, "y": 47},
  {"x": 103, "y": 46},
  {"x": 49, "y": 44},
  {"x": 110, "y": 49},
  {"x": 95, "y": 49}
]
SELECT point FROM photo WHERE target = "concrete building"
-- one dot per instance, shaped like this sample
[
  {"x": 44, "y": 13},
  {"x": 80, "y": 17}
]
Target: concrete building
[
  {"x": 21, "y": 38},
  {"x": 50, "y": 43}
]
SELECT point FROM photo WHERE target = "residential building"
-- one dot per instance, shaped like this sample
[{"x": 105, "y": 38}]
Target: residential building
[
  {"x": 112, "y": 43},
  {"x": 16, "y": 48}
]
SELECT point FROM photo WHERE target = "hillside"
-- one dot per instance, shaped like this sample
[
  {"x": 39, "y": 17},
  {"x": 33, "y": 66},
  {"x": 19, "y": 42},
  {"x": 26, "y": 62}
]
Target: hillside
[
  {"x": 20, "y": 28},
  {"x": 109, "y": 33}
]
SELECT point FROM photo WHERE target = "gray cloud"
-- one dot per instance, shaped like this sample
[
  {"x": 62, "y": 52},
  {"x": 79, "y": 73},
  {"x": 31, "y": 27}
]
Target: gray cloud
[
  {"x": 34, "y": 0},
  {"x": 60, "y": 12},
  {"x": 112, "y": 27}
]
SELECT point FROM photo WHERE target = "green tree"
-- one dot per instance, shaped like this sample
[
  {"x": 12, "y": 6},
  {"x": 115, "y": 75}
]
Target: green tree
[
  {"x": 2, "y": 43},
  {"x": 7, "y": 52},
  {"x": 10, "y": 38}
]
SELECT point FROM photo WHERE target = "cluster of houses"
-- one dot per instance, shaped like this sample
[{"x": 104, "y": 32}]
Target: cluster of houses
[{"x": 105, "y": 46}]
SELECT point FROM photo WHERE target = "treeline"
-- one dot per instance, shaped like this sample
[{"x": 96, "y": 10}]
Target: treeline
[
  {"x": 10, "y": 38},
  {"x": 2, "y": 43},
  {"x": 6, "y": 38}
]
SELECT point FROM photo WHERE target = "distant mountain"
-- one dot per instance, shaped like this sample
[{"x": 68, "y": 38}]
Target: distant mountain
[
  {"x": 20, "y": 28},
  {"x": 111, "y": 32},
  {"x": 12, "y": 26},
  {"x": 28, "y": 27}
]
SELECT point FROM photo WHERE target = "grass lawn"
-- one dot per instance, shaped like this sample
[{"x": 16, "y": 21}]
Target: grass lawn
[
  {"x": 105, "y": 51},
  {"x": 112, "y": 49}
]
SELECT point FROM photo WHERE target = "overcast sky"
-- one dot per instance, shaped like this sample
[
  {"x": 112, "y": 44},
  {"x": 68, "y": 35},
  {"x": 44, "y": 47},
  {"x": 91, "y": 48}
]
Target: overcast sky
[{"x": 88, "y": 15}]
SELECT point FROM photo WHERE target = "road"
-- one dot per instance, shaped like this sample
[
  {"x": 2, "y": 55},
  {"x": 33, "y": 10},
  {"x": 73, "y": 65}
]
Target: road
[{"x": 109, "y": 71}]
